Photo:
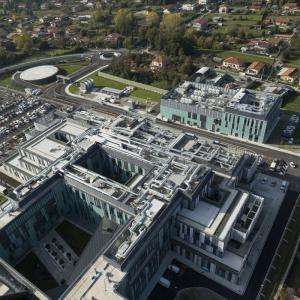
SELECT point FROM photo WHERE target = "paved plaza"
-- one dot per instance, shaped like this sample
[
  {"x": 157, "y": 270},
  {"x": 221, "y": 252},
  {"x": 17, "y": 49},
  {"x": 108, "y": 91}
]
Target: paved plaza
[{"x": 57, "y": 256}]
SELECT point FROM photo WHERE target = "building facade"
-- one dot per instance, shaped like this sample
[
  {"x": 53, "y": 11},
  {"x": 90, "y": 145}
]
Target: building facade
[{"x": 242, "y": 113}]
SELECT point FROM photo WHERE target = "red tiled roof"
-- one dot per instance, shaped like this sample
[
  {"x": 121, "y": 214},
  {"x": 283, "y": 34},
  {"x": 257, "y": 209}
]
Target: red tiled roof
[
  {"x": 257, "y": 65},
  {"x": 282, "y": 20},
  {"x": 201, "y": 21},
  {"x": 233, "y": 60},
  {"x": 160, "y": 59},
  {"x": 289, "y": 72}
]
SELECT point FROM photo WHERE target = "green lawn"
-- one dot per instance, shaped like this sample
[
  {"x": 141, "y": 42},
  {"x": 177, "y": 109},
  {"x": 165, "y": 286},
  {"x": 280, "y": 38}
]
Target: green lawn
[
  {"x": 101, "y": 82},
  {"x": 6, "y": 80},
  {"x": 2, "y": 198},
  {"x": 231, "y": 22},
  {"x": 12, "y": 182},
  {"x": 246, "y": 57},
  {"x": 46, "y": 54},
  {"x": 294, "y": 59},
  {"x": 71, "y": 68},
  {"x": 249, "y": 19},
  {"x": 75, "y": 237},
  {"x": 292, "y": 103},
  {"x": 33, "y": 269}
]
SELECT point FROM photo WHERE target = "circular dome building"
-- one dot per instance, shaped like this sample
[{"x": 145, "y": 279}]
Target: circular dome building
[{"x": 40, "y": 74}]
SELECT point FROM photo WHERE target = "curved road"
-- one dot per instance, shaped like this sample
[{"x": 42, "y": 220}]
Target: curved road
[{"x": 58, "y": 59}]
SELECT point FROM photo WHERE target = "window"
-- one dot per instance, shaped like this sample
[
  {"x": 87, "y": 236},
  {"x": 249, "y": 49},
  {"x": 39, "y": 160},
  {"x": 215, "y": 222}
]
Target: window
[{"x": 221, "y": 272}]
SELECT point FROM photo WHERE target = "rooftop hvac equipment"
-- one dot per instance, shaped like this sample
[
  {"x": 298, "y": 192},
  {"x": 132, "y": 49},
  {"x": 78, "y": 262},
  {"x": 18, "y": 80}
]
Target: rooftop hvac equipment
[{"x": 186, "y": 100}]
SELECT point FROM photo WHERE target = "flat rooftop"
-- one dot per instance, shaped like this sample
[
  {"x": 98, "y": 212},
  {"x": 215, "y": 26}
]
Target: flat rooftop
[
  {"x": 102, "y": 285},
  {"x": 204, "y": 213},
  {"x": 208, "y": 96},
  {"x": 73, "y": 129},
  {"x": 49, "y": 149}
]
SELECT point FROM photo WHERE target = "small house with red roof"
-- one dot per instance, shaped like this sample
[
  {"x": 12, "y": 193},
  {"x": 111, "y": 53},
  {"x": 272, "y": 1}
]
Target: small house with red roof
[
  {"x": 233, "y": 63},
  {"x": 256, "y": 68}
]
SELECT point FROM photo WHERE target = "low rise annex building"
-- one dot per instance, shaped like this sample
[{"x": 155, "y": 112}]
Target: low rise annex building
[
  {"x": 242, "y": 113},
  {"x": 153, "y": 193}
]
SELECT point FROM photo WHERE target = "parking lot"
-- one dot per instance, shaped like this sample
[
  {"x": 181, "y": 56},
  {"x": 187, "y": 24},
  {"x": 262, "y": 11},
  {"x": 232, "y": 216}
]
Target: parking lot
[
  {"x": 17, "y": 113},
  {"x": 288, "y": 133}
]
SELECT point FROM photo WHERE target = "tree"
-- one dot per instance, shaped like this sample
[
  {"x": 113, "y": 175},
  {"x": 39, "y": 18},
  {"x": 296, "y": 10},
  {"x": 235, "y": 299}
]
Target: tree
[
  {"x": 152, "y": 19},
  {"x": 44, "y": 45},
  {"x": 23, "y": 41},
  {"x": 171, "y": 22},
  {"x": 187, "y": 67},
  {"x": 123, "y": 21}
]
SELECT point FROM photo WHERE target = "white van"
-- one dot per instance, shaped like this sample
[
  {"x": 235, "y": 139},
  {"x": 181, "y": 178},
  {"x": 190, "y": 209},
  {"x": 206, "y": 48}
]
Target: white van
[
  {"x": 174, "y": 269},
  {"x": 164, "y": 282}
]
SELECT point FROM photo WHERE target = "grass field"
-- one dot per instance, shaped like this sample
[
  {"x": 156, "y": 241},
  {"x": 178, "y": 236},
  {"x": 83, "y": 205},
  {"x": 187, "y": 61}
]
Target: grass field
[
  {"x": 12, "y": 182},
  {"x": 231, "y": 22},
  {"x": 250, "y": 19},
  {"x": 71, "y": 68},
  {"x": 75, "y": 237},
  {"x": 101, "y": 82},
  {"x": 294, "y": 59},
  {"x": 292, "y": 103},
  {"x": 2, "y": 198},
  {"x": 246, "y": 57},
  {"x": 7, "y": 82},
  {"x": 46, "y": 54},
  {"x": 32, "y": 268}
]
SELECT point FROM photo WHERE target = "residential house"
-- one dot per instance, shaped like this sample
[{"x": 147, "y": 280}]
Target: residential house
[
  {"x": 207, "y": 2},
  {"x": 189, "y": 6},
  {"x": 159, "y": 62},
  {"x": 276, "y": 38},
  {"x": 44, "y": 6},
  {"x": 256, "y": 5},
  {"x": 200, "y": 24},
  {"x": 289, "y": 75},
  {"x": 113, "y": 40},
  {"x": 223, "y": 9},
  {"x": 291, "y": 8},
  {"x": 171, "y": 9},
  {"x": 256, "y": 69},
  {"x": 259, "y": 46},
  {"x": 77, "y": 8},
  {"x": 282, "y": 21},
  {"x": 233, "y": 63}
]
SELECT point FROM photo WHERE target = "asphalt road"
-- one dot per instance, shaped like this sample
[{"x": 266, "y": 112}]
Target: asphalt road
[{"x": 191, "y": 278}]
